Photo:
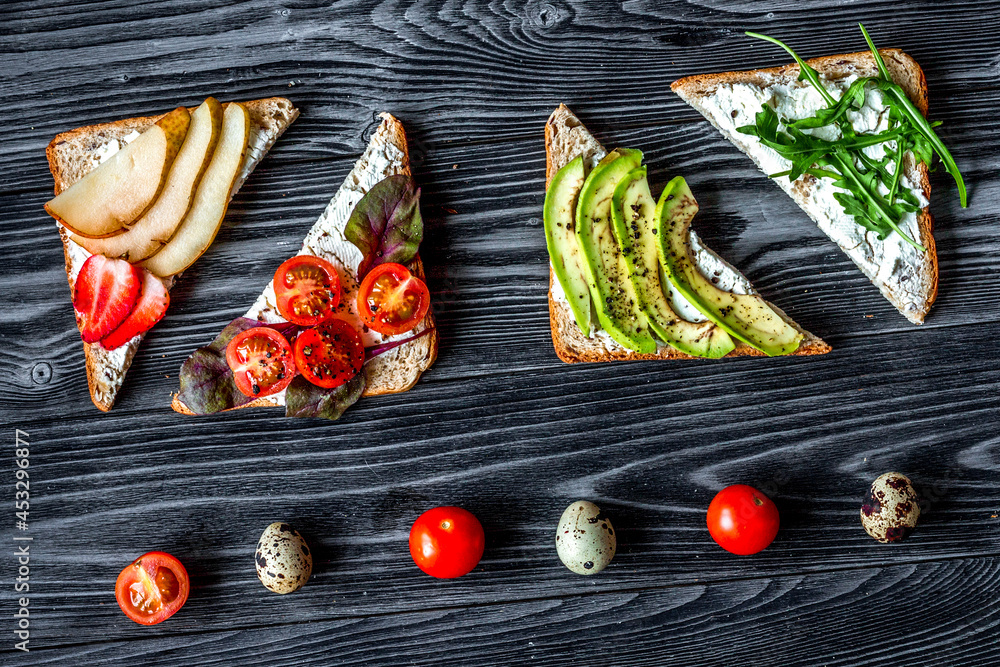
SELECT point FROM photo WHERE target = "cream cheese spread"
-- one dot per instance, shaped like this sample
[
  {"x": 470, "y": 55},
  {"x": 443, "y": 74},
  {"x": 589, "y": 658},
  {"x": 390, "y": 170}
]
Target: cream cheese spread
[{"x": 891, "y": 261}]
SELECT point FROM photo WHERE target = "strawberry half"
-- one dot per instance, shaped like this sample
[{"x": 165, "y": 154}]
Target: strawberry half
[
  {"x": 104, "y": 294},
  {"x": 148, "y": 310}
]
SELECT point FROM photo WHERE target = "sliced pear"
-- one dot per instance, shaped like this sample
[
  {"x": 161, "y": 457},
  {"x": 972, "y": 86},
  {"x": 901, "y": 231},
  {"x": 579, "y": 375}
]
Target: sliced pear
[
  {"x": 745, "y": 316},
  {"x": 203, "y": 220},
  {"x": 121, "y": 189},
  {"x": 152, "y": 231}
]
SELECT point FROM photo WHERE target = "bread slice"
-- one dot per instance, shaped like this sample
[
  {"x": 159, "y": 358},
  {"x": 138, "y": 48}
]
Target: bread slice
[
  {"x": 565, "y": 138},
  {"x": 905, "y": 276},
  {"x": 399, "y": 369},
  {"x": 73, "y": 154}
]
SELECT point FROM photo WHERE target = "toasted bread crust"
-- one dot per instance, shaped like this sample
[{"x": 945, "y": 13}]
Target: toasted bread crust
[
  {"x": 908, "y": 74},
  {"x": 570, "y": 343},
  {"x": 426, "y": 347},
  {"x": 275, "y": 114}
]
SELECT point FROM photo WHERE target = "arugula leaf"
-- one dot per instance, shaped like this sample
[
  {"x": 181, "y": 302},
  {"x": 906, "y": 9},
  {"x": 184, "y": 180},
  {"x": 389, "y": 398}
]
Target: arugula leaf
[
  {"x": 206, "y": 381},
  {"x": 386, "y": 225},
  {"x": 304, "y": 399},
  {"x": 806, "y": 73},
  {"x": 863, "y": 178}
]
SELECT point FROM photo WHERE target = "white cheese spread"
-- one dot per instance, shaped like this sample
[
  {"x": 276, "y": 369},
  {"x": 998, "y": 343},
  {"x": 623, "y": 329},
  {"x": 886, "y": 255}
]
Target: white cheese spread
[{"x": 891, "y": 261}]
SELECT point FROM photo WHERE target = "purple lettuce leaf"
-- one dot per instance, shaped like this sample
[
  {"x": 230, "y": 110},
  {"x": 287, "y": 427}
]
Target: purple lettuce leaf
[
  {"x": 304, "y": 399},
  {"x": 386, "y": 225},
  {"x": 207, "y": 383}
]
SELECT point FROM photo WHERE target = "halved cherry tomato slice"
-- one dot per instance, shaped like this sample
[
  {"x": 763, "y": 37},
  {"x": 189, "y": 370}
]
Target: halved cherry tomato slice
[
  {"x": 391, "y": 300},
  {"x": 329, "y": 354},
  {"x": 307, "y": 289},
  {"x": 261, "y": 361},
  {"x": 152, "y": 588}
]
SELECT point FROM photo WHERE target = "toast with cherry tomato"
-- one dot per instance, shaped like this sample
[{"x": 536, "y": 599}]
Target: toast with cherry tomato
[
  {"x": 348, "y": 316},
  {"x": 137, "y": 201}
]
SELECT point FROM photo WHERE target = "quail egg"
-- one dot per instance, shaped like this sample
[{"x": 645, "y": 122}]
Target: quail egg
[
  {"x": 585, "y": 539},
  {"x": 284, "y": 561},
  {"x": 890, "y": 509}
]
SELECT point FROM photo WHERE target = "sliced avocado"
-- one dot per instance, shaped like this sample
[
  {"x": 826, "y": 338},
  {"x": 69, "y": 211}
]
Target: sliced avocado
[
  {"x": 632, "y": 210},
  {"x": 745, "y": 316},
  {"x": 560, "y": 237},
  {"x": 615, "y": 301}
]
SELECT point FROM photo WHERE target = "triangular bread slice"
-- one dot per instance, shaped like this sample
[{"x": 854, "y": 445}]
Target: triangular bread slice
[
  {"x": 565, "y": 138},
  {"x": 398, "y": 369},
  {"x": 905, "y": 276},
  {"x": 73, "y": 154}
]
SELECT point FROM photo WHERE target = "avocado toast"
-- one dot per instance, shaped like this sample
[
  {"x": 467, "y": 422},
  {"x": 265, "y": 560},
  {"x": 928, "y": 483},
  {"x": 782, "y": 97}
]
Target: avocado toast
[{"x": 610, "y": 301}]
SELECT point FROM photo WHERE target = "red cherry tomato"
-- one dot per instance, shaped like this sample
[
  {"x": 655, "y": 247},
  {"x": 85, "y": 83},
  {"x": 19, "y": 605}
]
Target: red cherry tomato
[
  {"x": 261, "y": 361},
  {"x": 153, "y": 588},
  {"x": 307, "y": 290},
  {"x": 391, "y": 300},
  {"x": 742, "y": 520},
  {"x": 447, "y": 542},
  {"x": 329, "y": 354}
]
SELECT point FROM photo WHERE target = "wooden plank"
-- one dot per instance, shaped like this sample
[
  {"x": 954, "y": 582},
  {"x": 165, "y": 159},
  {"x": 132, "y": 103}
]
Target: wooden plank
[
  {"x": 499, "y": 425},
  {"x": 649, "y": 443},
  {"x": 921, "y": 614}
]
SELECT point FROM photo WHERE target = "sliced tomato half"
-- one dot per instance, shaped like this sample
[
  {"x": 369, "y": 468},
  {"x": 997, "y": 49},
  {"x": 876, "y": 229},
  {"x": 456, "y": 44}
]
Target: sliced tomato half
[
  {"x": 391, "y": 300},
  {"x": 307, "y": 290},
  {"x": 261, "y": 361},
  {"x": 329, "y": 354},
  {"x": 152, "y": 588}
]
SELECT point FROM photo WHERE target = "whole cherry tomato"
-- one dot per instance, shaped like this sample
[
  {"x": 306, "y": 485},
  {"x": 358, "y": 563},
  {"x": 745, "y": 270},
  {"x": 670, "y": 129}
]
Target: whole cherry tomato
[
  {"x": 742, "y": 520},
  {"x": 152, "y": 588},
  {"x": 447, "y": 542}
]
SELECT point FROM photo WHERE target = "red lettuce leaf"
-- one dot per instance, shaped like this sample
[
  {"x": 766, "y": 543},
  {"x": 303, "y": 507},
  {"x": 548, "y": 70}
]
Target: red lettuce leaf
[
  {"x": 304, "y": 399},
  {"x": 207, "y": 384},
  {"x": 386, "y": 225}
]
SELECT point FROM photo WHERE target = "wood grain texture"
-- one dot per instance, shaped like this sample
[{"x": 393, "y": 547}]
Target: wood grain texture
[{"x": 499, "y": 425}]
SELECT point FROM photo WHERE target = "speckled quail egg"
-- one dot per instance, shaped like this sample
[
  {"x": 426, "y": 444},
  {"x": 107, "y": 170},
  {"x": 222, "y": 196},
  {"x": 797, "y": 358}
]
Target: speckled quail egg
[
  {"x": 890, "y": 509},
  {"x": 284, "y": 561},
  {"x": 585, "y": 539}
]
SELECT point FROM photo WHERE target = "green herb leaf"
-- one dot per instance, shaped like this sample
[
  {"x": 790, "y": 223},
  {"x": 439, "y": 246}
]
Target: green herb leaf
[
  {"x": 806, "y": 73},
  {"x": 386, "y": 225}
]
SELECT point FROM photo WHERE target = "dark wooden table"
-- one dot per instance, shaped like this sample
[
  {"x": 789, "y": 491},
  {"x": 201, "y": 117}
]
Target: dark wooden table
[{"x": 499, "y": 425}]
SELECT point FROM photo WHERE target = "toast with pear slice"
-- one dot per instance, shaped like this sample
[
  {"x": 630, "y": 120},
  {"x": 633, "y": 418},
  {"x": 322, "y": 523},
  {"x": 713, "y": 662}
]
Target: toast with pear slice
[
  {"x": 566, "y": 138},
  {"x": 74, "y": 154}
]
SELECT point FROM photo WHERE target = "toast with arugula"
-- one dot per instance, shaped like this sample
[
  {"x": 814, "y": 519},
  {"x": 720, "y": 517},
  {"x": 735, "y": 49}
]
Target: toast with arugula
[
  {"x": 162, "y": 184},
  {"x": 846, "y": 138}
]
